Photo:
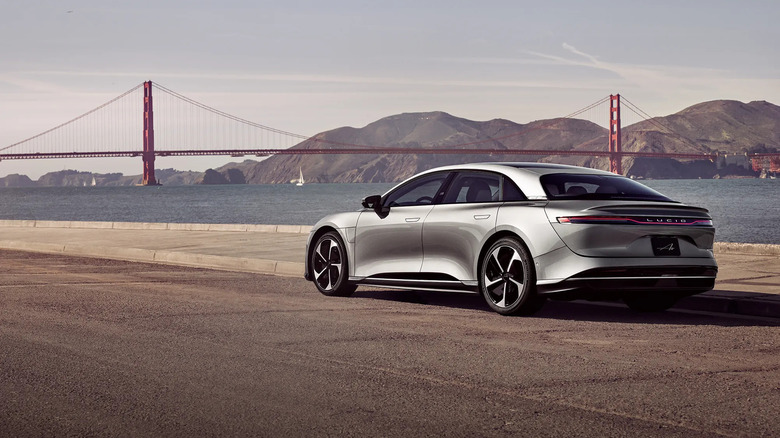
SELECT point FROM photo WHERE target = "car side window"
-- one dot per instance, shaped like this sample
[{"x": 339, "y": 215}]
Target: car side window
[
  {"x": 421, "y": 191},
  {"x": 474, "y": 187},
  {"x": 511, "y": 192}
]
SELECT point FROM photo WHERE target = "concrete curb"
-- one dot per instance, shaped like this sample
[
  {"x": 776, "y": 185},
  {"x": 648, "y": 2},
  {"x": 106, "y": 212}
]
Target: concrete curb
[
  {"x": 746, "y": 248},
  {"x": 259, "y": 266},
  {"x": 737, "y": 303},
  {"x": 256, "y": 228}
]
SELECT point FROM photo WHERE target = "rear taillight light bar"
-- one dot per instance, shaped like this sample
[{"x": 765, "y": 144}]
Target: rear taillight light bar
[{"x": 634, "y": 220}]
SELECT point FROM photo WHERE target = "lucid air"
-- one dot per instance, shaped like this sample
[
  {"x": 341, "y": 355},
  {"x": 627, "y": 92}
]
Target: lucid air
[{"x": 518, "y": 234}]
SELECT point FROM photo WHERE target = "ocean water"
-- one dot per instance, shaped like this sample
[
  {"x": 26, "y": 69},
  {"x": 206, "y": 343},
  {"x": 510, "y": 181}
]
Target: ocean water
[
  {"x": 216, "y": 204},
  {"x": 744, "y": 210}
]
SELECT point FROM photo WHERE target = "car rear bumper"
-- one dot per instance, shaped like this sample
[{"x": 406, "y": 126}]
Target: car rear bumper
[
  {"x": 563, "y": 271},
  {"x": 683, "y": 280}
]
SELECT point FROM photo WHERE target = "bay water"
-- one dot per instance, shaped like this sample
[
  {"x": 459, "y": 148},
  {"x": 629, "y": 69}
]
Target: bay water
[{"x": 744, "y": 210}]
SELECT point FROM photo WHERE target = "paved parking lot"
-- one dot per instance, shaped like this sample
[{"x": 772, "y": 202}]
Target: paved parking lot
[{"x": 112, "y": 348}]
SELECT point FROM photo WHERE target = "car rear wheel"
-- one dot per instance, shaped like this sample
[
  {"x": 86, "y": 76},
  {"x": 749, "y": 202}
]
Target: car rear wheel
[
  {"x": 329, "y": 266},
  {"x": 650, "y": 302},
  {"x": 507, "y": 279}
]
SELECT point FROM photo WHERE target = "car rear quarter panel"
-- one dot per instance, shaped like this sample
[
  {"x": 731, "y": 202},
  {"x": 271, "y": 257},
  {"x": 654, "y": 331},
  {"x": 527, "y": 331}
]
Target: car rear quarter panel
[{"x": 529, "y": 221}]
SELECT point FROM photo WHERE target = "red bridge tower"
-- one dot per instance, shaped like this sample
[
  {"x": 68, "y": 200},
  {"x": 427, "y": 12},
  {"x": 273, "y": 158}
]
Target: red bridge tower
[
  {"x": 615, "y": 147},
  {"x": 148, "y": 153}
]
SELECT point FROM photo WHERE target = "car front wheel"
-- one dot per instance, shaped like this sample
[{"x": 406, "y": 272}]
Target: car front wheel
[
  {"x": 507, "y": 279},
  {"x": 329, "y": 266}
]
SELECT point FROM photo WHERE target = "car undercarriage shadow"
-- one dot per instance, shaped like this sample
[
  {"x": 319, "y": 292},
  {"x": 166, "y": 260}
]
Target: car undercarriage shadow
[{"x": 596, "y": 311}]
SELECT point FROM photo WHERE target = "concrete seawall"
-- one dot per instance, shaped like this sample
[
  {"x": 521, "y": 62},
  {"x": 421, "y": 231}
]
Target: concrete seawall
[
  {"x": 297, "y": 229},
  {"x": 266, "y": 249}
]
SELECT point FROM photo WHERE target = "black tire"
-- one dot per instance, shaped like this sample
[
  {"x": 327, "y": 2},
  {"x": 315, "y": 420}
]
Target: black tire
[
  {"x": 650, "y": 302},
  {"x": 329, "y": 267},
  {"x": 507, "y": 279}
]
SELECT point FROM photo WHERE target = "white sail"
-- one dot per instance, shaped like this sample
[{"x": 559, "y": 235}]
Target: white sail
[{"x": 300, "y": 178}]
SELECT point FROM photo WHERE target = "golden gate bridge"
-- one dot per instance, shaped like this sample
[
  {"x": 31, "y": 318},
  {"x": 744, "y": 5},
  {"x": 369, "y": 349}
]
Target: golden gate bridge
[{"x": 190, "y": 128}]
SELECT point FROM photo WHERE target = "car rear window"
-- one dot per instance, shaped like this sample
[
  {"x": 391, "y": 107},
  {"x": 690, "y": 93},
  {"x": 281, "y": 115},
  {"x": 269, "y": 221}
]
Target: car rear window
[{"x": 576, "y": 186}]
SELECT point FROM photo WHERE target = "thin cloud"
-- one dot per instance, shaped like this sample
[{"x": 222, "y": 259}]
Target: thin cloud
[
  {"x": 574, "y": 50},
  {"x": 499, "y": 61},
  {"x": 676, "y": 84},
  {"x": 33, "y": 86},
  {"x": 643, "y": 76}
]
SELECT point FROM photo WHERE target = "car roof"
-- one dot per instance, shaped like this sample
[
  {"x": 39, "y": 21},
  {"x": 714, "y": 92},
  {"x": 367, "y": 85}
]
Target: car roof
[
  {"x": 535, "y": 168},
  {"x": 525, "y": 175}
]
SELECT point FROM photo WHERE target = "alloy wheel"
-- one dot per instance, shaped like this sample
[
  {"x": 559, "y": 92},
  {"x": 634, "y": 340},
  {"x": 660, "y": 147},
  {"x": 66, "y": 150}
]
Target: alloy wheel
[
  {"x": 329, "y": 268},
  {"x": 504, "y": 276},
  {"x": 328, "y": 261}
]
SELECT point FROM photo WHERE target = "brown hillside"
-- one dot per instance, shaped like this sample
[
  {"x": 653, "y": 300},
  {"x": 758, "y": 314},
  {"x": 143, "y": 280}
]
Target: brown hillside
[
  {"x": 728, "y": 126},
  {"x": 415, "y": 130},
  {"x": 724, "y": 125}
]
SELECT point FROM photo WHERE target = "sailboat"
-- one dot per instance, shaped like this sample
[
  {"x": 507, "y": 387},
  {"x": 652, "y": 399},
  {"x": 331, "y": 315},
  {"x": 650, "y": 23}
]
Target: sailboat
[{"x": 300, "y": 178}]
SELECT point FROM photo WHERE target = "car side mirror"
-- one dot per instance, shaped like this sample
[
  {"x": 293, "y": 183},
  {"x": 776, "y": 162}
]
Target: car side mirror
[
  {"x": 374, "y": 202},
  {"x": 371, "y": 201}
]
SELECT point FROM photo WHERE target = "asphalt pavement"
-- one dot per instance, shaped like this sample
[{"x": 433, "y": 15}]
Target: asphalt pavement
[
  {"x": 98, "y": 347},
  {"x": 748, "y": 280}
]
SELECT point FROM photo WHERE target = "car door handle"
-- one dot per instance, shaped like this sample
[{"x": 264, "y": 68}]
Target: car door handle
[
  {"x": 481, "y": 216},
  {"x": 412, "y": 219}
]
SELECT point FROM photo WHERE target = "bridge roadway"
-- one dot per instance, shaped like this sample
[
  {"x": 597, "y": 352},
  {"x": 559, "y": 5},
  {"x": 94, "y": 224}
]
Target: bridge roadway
[{"x": 97, "y": 347}]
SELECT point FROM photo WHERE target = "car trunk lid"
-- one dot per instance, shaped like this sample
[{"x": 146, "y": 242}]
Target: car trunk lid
[{"x": 630, "y": 229}]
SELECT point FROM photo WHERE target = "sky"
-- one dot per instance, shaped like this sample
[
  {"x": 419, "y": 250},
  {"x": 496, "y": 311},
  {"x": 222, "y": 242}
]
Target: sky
[{"x": 311, "y": 66}]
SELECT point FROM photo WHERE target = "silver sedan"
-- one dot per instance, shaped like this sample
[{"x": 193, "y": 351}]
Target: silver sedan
[{"x": 519, "y": 233}]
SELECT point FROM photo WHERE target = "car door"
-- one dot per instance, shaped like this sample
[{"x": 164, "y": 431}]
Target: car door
[
  {"x": 457, "y": 228},
  {"x": 392, "y": 242}
]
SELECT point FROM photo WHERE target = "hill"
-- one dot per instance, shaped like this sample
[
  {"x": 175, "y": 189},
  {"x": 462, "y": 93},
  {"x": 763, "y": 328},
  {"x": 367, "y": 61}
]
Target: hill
[
  {"x": 418, "y": 130},
  {"x": 727, "y": 126}
]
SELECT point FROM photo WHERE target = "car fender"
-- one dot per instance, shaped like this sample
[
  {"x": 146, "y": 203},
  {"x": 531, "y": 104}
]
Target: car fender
[{"x": 344, "y": 224}]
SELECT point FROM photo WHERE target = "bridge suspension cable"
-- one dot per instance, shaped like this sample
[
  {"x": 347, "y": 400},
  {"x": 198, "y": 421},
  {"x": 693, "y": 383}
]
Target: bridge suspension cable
[
  {"x": 657, "y": 123},
  {"x": 182, "y": 123},
  {"x": 224, "y": 114},
  {"x": 587, "y": 108},
  {"x": 56, "y": 137}
]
